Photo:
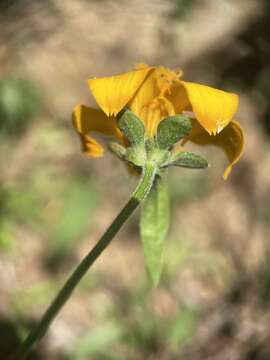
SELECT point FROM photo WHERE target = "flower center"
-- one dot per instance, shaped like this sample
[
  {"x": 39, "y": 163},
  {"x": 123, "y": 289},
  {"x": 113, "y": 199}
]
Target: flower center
[
  {"x": 160, "y": 106},
  {"x": 165, "y": 78}
]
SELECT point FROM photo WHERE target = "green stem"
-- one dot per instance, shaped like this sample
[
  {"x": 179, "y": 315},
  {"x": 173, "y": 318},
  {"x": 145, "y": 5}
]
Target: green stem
[{"x": 139, "y": 194}]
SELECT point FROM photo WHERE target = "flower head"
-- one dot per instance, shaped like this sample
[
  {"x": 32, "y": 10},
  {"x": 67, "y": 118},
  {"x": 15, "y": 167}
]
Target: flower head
[{"x": 154, "y": 93}]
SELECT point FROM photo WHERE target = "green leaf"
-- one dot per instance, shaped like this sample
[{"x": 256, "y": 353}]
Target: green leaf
[
  {"x": 172, "y": 129},
  {"x": 154, "y": 226},
  {"x": 131, "y": 126},
  {"x": 188, "y": 160}
]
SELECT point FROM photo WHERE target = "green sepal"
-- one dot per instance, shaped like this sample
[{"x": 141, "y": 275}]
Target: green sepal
[
  {"x": 150, "y": 144},
  {"x": 136, "y": 155},
  {"x": 117, "y": 149},
  {"x": 188, "y": 160},
  {"x": 172, "y": 129},
  {"x": 160, "y": 157},
  {"x": 155, "y": 154},
  {"x": 131, "y": 126},
  {"x": 154, "y": 226}
]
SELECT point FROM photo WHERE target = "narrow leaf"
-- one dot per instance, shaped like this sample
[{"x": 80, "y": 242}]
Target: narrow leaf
[{"x": 154, "y": 227}]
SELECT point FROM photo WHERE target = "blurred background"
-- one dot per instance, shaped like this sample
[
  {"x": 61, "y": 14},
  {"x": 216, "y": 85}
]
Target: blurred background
[{"x": 213, "y": 300}]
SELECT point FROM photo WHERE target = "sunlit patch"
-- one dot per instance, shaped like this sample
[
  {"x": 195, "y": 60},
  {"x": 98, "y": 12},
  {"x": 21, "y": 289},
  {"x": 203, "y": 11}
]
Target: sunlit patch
[{"x": 221, "y": 123}]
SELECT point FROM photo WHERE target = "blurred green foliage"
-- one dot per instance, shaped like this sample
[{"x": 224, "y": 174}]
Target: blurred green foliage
[
  {"x": 6, "y": 236},
  {"x": 75, "y": 214},
  {"x": 140, "y": 334},
  {"x": 6, "y": 226},
  {"x": 94, "y": 342},
  {"x": 19, "y": 103},
  {"x": 24, "y": 204},
  {"x": 187, "y": 185},
  {"x": 182, "y": 328},
  {"x": 181, "y": 8},
  {"x": 64, "y": 212},
  {"x": 39, "y": 294}
]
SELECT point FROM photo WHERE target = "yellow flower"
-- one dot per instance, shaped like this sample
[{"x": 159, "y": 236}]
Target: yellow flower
[{"x": 154, "y": 93}]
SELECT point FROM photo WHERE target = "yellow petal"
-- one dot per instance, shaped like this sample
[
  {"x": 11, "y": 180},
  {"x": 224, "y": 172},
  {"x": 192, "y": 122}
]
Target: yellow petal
[
  {"x": 140, "y": 66},
  {"x": 178, "y": 97},
  {"x": 146, "y": 93},
  {"x": 157, "y": 84},
  {"x": 113, "y": 93},
  {"x": 230, "y": 139},
  {"x": 213, "y": 108},
  {"x": 87, "y": 120}
]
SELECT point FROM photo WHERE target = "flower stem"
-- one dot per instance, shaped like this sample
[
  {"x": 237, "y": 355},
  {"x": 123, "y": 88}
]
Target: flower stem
[{"x": 137, "y": 197}]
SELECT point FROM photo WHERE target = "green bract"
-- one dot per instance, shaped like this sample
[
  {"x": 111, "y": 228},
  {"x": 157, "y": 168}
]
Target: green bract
[
  {"x": 131, "y": 126},
  {"x": 155, "y": 149},
  {"x": 188, "y": 160},
  {"x": 171, "y": 130},
  {"x": 117, "y": 149}
]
